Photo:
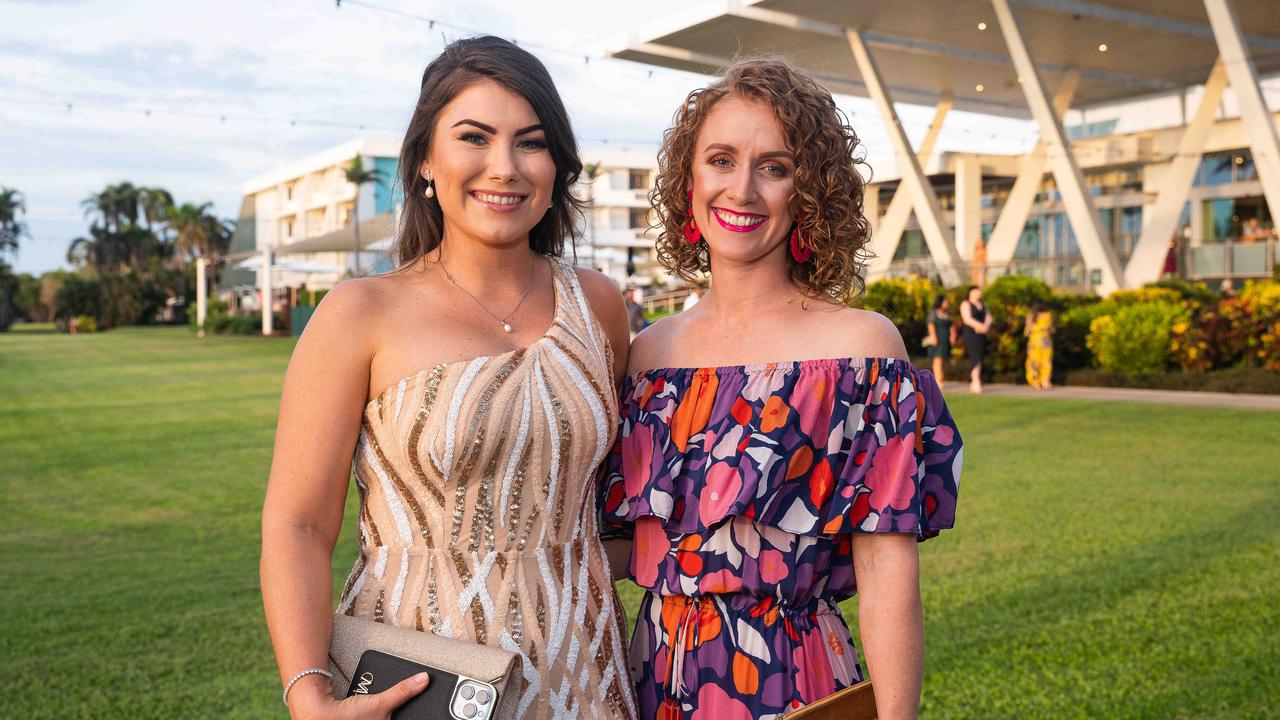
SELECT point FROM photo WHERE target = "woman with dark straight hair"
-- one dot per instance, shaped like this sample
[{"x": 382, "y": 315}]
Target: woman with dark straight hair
[{"x": 474, "y": 388}]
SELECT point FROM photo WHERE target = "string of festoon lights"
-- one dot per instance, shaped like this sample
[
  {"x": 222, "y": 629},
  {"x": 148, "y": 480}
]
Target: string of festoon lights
[
  {"x": 627, "y": 66},
  {"x": 80, "y": 104}
]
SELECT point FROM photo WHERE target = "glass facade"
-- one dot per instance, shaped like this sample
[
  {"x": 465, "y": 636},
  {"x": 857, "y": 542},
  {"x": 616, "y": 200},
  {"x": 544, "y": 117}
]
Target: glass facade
[
  {"x": 387, "y": 193},
  {"x": 1230, "y": 233}
]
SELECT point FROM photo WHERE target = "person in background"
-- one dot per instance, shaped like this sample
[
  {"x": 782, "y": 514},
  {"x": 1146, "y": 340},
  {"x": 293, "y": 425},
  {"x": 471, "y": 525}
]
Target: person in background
[
  {"x": 973, "y": 313},
  {"x": 942, "y": 335},
  {"x": 1039, "y": 332},
  {"x": 695, "y": 294},
  {"x": 634, "y": 298},
  {"x": 978, "y": 263}
]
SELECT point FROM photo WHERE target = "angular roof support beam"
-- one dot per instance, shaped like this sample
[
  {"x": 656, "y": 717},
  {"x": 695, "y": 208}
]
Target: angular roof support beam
[
  {"x": 1142, "y": 20},
  {"x": 1017, "y": 207},
  {"x": 923, "y": 199},
  {"x": 906, "y": 44},
  {"x": 1097, "y": 252},
  {"x": 1160, "y": 219},
  {"x": 1254, "y": 115},
  {"x": 848, "y": 86},
  {"x": 885, "y": 239}
]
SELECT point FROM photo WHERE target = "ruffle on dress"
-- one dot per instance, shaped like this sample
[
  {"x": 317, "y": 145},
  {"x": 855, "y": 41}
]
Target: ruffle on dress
[{"x": 813, "y": 447}]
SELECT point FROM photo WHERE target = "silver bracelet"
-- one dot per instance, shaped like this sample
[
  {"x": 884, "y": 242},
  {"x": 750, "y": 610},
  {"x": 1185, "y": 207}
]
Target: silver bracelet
[{"x": 309, "y": 671}]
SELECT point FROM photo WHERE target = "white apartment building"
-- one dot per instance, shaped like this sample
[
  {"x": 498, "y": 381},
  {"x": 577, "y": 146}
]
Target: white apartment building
[
  {"x": 617, "y": 239},
  {"x": 310, "y": 203},
  {"x": 302, "y": 212}
]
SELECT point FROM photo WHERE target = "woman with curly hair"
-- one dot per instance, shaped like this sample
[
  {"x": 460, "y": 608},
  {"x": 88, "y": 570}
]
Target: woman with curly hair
[{"x": 777, "y": 447}]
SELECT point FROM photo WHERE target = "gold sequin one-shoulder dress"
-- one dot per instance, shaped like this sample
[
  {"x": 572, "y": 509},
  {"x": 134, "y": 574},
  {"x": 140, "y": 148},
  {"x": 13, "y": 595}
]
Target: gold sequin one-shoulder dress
[{"x": 478, "y": 515}]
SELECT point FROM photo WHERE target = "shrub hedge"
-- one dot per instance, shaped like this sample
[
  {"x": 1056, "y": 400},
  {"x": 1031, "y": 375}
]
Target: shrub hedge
[{"x": 1173, "y": 333}]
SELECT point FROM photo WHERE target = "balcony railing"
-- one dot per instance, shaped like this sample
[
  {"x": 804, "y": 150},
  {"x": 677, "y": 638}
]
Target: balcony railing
[{"x": 1232, "y": 258}]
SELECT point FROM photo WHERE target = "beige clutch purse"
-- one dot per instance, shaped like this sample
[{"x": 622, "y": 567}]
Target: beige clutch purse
[
  {"x": 856, "y": 702},
  {"x": 353, "y": 636}
]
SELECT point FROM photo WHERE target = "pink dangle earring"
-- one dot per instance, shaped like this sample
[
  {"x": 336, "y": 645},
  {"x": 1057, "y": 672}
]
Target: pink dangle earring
[
  {"x": 691, "y": 232},
  {"x": 801, "y": 248}
]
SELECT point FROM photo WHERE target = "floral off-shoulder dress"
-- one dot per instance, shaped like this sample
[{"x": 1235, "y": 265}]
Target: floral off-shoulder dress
[{"x": 743, "y": 486}]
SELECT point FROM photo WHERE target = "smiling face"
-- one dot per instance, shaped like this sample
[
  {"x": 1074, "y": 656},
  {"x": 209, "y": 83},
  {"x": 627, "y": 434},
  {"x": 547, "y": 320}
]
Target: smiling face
[
  {"x": 743, "y": 179},
  {"x": 489, "y": 162}
]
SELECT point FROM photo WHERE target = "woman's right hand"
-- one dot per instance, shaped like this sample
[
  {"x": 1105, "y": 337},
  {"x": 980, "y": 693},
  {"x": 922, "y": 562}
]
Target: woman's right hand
[{"x": 373, "y": 706}]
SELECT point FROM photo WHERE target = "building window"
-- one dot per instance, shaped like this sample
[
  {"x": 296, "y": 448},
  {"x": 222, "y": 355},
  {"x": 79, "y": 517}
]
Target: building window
[
  {"x": 638, "y": 180},
  {"x": 639, "y": 219}
]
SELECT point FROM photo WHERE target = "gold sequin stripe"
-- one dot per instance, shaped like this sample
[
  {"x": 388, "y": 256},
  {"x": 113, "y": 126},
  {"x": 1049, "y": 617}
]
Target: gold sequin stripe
[
  {"x": 586, "y": 373},
  {"x": 368, "y": 520},
  {"x": 513, "y": 509},
  {"x": 433, "y": 605},
  {"x": 477, "y": 610},
  {"x": 482, "y": 517},
  {"x": 515, "y": 617},
  {"x": 589, "y": 623},
  {"x": 540, "y": 610},
  {"x": 420, "y": 421},
  {"x": 565, "y": 440},
  {"x": 478, "y": 426},
  {"x": 356, "y": 572},
  {"x": 403, "y": 489}
]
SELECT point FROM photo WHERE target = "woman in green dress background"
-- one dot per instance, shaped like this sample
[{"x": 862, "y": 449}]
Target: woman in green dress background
[{"x": 942, "y": 335}]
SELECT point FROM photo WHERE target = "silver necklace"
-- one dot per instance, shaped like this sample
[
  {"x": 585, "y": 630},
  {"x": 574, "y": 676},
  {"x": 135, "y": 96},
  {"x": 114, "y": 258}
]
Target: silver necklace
[{"x": 504, "y": 321}]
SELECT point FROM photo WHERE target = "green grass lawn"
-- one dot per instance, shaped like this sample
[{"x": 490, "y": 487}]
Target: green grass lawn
[{"x": 1111, "y": 560}]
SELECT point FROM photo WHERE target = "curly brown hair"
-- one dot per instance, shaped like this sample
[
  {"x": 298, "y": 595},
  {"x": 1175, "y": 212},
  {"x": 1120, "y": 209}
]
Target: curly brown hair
[{"x": 828, "y": 186}]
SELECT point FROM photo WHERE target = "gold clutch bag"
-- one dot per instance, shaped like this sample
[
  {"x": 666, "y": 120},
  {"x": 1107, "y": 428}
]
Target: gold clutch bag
[
  {"x": 353, "y": 636},
  {"x": 856, "y": 702}
]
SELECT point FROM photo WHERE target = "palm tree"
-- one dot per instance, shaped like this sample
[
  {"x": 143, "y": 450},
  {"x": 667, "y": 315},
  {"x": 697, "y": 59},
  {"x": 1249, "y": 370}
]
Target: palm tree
[
  {"x": 155, "y": 206},
  {"x": 358, "y": 176},
  {"x": 12, "y": 229},
  {"x": 190, "y": 228},
  {"x": 116, "y": 206}
]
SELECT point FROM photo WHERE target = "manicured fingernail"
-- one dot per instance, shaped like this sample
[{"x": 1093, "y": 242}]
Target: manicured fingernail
[{"x": 421, "y": 679}]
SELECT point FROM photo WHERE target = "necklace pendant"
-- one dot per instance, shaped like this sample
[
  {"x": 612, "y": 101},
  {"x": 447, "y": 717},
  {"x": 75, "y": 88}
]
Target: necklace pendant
[{"x": 506, "y": 326}]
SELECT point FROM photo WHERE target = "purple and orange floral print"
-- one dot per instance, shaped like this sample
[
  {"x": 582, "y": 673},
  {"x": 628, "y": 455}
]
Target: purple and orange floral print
[{"x": 743, "y": 486}]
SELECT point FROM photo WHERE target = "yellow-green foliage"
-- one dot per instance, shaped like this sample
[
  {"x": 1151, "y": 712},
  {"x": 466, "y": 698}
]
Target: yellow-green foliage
[
  {"x": 1134, "y": 341},
  {"x": 86, "y": 324},
  {"x": 1148, "y": 294}
]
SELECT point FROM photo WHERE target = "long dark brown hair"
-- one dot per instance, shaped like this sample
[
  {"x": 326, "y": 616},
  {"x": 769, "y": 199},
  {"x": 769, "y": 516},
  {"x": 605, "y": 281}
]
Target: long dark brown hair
[{"x": 462, "y": 63}]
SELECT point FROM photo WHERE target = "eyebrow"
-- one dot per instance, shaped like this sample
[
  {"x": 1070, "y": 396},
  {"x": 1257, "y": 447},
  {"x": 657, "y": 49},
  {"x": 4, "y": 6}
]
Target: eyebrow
[
  {"x": 776, "y": 153},
  {"x": 493, "y": 131}
]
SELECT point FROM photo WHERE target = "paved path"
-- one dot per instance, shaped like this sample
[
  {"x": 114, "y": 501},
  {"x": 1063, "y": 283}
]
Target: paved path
[{"x": 1159, "y": 397}]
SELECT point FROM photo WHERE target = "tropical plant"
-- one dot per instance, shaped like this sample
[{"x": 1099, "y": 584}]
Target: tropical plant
[
  {"x": 906, "y": 302},
  {"x": 358, "y": 176},
  {"x": 12, "y": 228},
  {"x": 114, "y": 250},
  {"x": 1134, "y": 341},
  {"x": 198, "y": 232}
]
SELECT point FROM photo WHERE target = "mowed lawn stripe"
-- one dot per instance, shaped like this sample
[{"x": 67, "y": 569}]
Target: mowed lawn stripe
[{"x": 1110, "y": 559}]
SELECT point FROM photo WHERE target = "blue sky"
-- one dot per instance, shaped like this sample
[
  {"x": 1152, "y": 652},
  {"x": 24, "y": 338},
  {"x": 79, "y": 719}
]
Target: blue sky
[{"x": 266, "y": 65}]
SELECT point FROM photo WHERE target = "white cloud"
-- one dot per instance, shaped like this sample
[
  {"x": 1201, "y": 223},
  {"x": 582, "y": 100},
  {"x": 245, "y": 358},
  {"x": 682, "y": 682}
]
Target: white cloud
[{"x": 264, "y": 64}]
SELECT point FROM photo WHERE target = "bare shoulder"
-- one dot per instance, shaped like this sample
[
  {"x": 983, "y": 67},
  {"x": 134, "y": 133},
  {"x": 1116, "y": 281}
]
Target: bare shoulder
[
  {"x": 650, "y": 348},
  {"x": 872, "y": 334},
  {"x": 599, "y": 288},
  {"x": 347, "y": 318},
  {"x": 605, "y": 301}
]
